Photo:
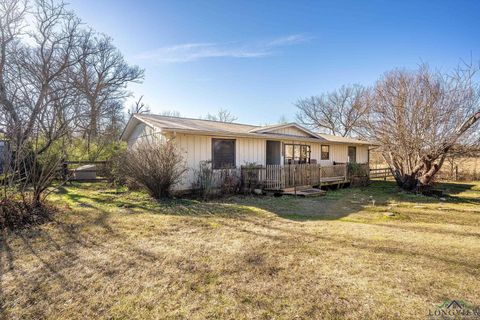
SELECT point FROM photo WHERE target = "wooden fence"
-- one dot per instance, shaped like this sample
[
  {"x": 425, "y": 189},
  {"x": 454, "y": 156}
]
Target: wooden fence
[
  {"x": 277, "y": 177},
  {"x": 380, "y": 173}
]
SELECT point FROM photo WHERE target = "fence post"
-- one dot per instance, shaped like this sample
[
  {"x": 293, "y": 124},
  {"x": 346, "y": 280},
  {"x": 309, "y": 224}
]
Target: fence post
[
  {"x": 320, "y": 176},
  {"x": 294, "y": 181}
]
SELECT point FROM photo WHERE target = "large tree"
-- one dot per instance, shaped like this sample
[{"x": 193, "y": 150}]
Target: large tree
[
  {"x": 44, "y": 48},
  {"x": 340, "y": 112},
  {"x": 102, "y": 79},
  {"x": 418, "y": 116},
  {"x": 38, "y": 100}
]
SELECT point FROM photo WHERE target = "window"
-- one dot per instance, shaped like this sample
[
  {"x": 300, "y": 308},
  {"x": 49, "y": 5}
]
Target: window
[
  {"x": 352, "y": 154},
  {"x": 223, "y": 153},
  {"x": 325, "y": 150},
  {"x": 296, "y": 153}
]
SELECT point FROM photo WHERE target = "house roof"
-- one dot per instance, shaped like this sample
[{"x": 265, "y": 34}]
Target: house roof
[
  {"x": 339, "y": 139},
  {"x": 210, "y": 127}
]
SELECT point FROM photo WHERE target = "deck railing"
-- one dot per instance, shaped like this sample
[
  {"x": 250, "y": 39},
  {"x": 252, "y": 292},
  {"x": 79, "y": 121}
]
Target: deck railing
[{"x": 276, "y": 177}]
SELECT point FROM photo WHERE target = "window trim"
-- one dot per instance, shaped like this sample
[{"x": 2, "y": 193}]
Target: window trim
[
  {"x": 321, "y": 151},
  {"x": 234, "y": 152}
]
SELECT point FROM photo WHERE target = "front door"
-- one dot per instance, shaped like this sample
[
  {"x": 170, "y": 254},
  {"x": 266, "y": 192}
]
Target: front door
[
  {"x": 273, "y": 152},
  {"x": 352, "y": 154}
]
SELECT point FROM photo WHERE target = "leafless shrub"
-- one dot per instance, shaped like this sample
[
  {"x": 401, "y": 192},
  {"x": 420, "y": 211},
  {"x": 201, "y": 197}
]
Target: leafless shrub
[
  {"x": 228, "y": 181},
  {"x": 209, "y": 182},
  {"x": 16, "y": 214},
  {"x": 204, "y": 182},
  {"x": 156, "y": 165}
]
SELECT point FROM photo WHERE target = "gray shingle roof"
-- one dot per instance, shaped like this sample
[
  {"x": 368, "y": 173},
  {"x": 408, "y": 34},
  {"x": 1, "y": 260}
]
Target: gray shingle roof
[{"x": 167, "y": 123}]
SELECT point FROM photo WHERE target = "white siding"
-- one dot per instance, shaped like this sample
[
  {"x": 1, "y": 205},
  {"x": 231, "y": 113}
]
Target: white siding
[
  {"x": 292, "y": 131},
  {"x": 140, "y": 132},
  {"x": 339, "y": 153},
  {"x": 199, "y": 148}
]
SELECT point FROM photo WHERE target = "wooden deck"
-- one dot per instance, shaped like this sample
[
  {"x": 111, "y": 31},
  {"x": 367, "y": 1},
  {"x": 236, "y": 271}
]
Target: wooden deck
[{"x": 279, "y": 177}]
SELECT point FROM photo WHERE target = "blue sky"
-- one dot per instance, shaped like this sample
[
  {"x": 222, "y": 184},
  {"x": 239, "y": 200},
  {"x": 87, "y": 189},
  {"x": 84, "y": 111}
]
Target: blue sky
[{"x": 256, "y": 58}]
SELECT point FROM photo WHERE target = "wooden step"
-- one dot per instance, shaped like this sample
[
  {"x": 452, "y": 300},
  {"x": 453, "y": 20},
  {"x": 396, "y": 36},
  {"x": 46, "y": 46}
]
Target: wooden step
[
  {"x": 298, "y": 188},
  {"x": 312, "y": 192}
]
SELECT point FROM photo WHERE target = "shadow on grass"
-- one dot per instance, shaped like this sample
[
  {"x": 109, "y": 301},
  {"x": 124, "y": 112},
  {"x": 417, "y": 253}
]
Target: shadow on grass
[
  {"x": 337, "y": 204},
  {"x": 62, "y": 248},
  {"x": 341, "y": 203},
  {"x": 56, "y": 252}
]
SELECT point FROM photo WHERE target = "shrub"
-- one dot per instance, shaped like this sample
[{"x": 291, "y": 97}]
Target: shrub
[
  {"x": 204, "y": 182},
  {"x": 228, "y": 181},
  {"x": 155, "y": 165},
  {"x": 357, "y": 169},
  {"x": 19, "y": 213},
  {"x": 209, "y": 182}
]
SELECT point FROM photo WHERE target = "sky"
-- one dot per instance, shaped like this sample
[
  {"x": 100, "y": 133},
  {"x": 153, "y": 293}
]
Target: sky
[{"x": 257, "y": 58}]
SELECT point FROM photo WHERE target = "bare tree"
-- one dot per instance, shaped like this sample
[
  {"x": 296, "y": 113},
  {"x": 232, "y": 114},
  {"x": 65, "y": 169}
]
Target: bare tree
[
  {"x": 419, "y": 116},
  {"x": 170, "y": 113},
  {"x": 43, "y": 50},
  {"x": 222, "y": 115},
  {"x": 38, "y": 100},
  {"x": 102, "y": 79},
  {"x": 139, "y": 107},
  {"x": 283, "y": 119},
  {"x": 340, "y": 112}
]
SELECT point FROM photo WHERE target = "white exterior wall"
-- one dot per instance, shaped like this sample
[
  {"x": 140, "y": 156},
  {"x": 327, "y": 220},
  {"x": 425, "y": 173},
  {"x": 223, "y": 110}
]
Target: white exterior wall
[
  {"x": 141, "y": 132},
  {"x": 290, "y": 131},
  {"x": 197, "y": 148}
]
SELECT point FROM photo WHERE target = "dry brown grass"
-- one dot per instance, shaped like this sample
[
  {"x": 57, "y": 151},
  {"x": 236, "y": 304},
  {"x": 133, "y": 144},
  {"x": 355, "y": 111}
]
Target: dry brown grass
[{"x": 123, "y": 256}]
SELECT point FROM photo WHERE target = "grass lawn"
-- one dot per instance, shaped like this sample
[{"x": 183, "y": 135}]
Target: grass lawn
[{"x": 123, "y": 256}]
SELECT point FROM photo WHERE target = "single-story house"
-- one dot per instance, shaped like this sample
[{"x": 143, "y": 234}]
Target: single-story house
[{"x": 234, "y": 144}]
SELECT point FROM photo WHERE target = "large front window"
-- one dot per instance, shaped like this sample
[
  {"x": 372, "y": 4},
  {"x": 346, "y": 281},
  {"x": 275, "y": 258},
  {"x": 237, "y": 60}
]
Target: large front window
[
  {"x": 296, "y": 153},
  {"x": 223, "y": 153}
]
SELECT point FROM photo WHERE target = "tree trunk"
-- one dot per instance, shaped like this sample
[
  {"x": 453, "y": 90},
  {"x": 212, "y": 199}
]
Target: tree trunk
[{"x": 407, "y": 182}]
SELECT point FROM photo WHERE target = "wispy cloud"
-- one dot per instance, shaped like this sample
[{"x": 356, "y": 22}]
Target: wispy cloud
[{"x": 195, "y": 51}]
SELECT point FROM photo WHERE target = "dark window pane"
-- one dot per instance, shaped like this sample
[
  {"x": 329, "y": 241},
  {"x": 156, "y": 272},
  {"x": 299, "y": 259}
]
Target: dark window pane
[
  {"x": 352, "y": 154},
  {"x": 223, "y": 153}
]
